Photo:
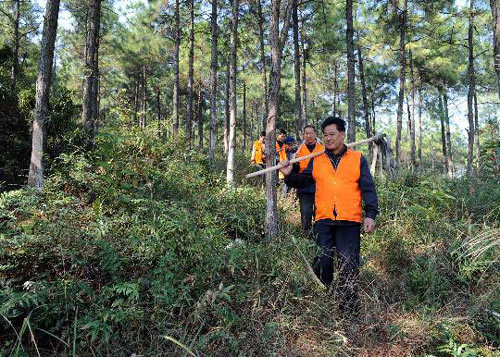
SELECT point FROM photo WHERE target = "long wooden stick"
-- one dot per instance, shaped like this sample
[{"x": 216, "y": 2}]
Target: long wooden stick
[{"x": 310, "y": 156}]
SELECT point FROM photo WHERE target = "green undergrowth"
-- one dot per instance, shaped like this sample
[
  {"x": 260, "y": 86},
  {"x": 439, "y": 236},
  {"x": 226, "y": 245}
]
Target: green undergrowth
[{"x": 138, "y": 247}]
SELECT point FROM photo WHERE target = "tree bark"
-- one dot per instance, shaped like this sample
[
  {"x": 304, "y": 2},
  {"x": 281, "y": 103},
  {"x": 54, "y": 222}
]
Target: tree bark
[
  {"x": 412, "y": 119},
  {"x": 244, "y": 116},
  {"x": 495, "y": 9},
  {"x": 351, "y": 89},
  {"x": 144, "y": 97},
  {"x": 470, "y": 94},
  {"x": 449, "y": 156},
  {"x": 443, "y": 130},
  {"x": 232, "y": 93},
  {"x": 175, "y": 99},
  {"x": 199, "y": 113},
  {"x": 189, "y": 99},
  {"x": 402, "y": 66},
  {"x": 476, "y": 135},
  {"x": 335, "y": 87},
  {"x": 296, "y": 66},
  {"x": 213, "y": 83},
  {"x": 15, "y": 47},
  {"x": 304, "y": 65},
  {"x": 136, "y": 99},
  {"x": 366, "y": 109},
  {"x": 263, "y": 62},
  {"x": 277, "y": 41},
  {"x": 420, "y": 106},
  {"x": 226, "y": 115},
  {"x": 91, "y": 72},
  {"x": 35, "y": 176}
]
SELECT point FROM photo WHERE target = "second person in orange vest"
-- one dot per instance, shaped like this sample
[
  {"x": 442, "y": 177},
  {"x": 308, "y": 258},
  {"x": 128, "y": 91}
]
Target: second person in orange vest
[
  {"x": 342, "y": 180},
  {"x": 258, "y": 150},
  {"x": 306, "y": 194}
]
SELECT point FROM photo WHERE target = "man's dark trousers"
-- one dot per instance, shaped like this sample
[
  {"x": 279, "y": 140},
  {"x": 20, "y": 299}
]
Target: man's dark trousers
[
  {"x": 306, "y": 202},
  {"x": 345, "y": 240}
]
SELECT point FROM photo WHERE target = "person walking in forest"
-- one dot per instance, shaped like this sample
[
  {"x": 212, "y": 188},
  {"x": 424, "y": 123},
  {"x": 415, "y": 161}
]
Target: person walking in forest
[
  {"x": 258, "y": 151},
  {"x": 342, "y": 179},
  {"x": 306, "y": 194}
]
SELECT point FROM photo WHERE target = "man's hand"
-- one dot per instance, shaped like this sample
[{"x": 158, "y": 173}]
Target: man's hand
[
  {"x": 287, "y": 167},
  {"x": 369, "y": 225}
]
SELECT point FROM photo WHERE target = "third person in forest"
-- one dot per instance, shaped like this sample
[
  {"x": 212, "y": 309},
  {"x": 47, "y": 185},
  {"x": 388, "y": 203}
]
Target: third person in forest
[{"x": 306, "y": 194}]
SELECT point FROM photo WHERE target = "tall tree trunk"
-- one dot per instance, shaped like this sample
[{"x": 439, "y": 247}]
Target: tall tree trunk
[
  {"x": 335, "y": 87},
  {"x": 495, "y": 9},
  {"x": 296, "y": 66},
  {"x": 213, "y": 83},
  {"x": 91, "y": 71},
  {"x": 412, "y": 120},
  {"x": 263, "y": 62},
  {"x": 449, "y": 156},
  {"x": 443, "y": 131},
  {"x": 304, "y": 64},
  {"x": 199, "y": 112},
  {"x": 351, "y": 89},
  {"x": 35, "y": 176},
  {"x": 15, "y": 48},
  {"x": 402, "y": 68},
  {"x": 476, "y": 135},
  {"x": 226, "y": 115},
  {"x": 144, "y": 97},
  {"x": 366, "y": 109},
  {"x": 158, "y": 110},
  {"x": 277, "y": 41},
  {"x": 232, "y": 93},
  {"x": 136, "y": 100},
  {"x": 189, "y": 99},
  {"x": 470, "y": 94},
  {"x": 420, "y": 106},
  {"x": 175, "y": 99},
  {"x": 244, "y": 116}
]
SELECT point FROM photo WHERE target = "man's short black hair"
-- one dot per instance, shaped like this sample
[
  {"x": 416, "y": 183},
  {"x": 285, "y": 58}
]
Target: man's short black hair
[
  {"x": 310, "y": 126},
  {"x": 262, "y": 133},
  {"x": 340, "y": 123},
  {"x": 282, "y": 131}
]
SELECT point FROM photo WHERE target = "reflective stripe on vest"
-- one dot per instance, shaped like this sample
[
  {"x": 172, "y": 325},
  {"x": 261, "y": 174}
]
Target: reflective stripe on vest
[
  {"x": 303, "y": 151},
  {"x": 338, "y": 190}
]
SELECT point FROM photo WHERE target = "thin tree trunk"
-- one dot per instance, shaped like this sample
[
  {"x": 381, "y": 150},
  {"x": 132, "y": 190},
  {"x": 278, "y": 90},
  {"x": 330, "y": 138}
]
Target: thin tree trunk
[
  {"x": 175, "y": 99},
  {"x": 144, "y": 97},
  {"x": 470, "y": 95},
  {"x": 351, "y": 89},
  {"x": 366, "y": 109},
  {"x": 35, "y": 176},
  {"x": 263, "y": 63},
  {"x": 402, "y": 67},
  {"x": 304, "y": 65},
  {"x": 213, "y": 83},
  {"x": 232, "y": 93},
  {"x": 495, "y": 9},
  {"x": 443, "y": 130},
  {"x": 449, "y": 157},
  {"x": 15, "y": 47},
  {"x": 91, "y": 71},
  {"x": 158, "y": 110},
  {"x": 412, "y": 120},
  {"x": 277, "y": 41},
  {"x": 226, "y": 115},
  {"x": 244, "y": 116},
  {"x": 296, "y": 66},
  {"x": 136, "y": 99},
  {"x": 199, "y": 112},
  {"x": 476, "y": 134},
  {"x": 335, "y": 87},
  {"x": 189, "y": 99},
  {"x": 420, "y": 105}
]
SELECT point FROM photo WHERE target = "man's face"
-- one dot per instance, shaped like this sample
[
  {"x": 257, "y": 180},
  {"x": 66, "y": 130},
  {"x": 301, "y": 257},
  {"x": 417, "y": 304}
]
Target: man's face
[
  {"x": 263, "y": 139},
  {"x": 281, "y": 137},
  {"x": 334, "y": 139},
  {"x": 309, "y": 136},
  {"x": 289, "y": 147}
]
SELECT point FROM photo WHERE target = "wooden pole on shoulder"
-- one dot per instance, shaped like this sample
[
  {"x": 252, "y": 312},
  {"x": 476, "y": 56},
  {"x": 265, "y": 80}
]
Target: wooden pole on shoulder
[{"x": 310, "y": 156}]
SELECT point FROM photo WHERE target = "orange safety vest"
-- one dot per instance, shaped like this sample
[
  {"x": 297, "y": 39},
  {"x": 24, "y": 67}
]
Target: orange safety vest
[
  {"x": 281, "y": 151},
  {"x": 338, "y": 189},
  {"x": 303, "y": 151},
  {"x": 257, "y": 151}
]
